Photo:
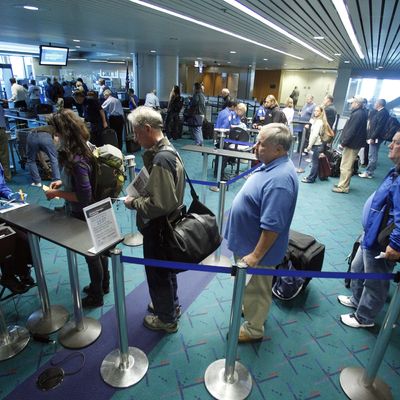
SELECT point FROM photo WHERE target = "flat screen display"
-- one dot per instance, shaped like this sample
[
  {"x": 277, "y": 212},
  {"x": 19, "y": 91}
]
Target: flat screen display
[{"x": 51, "y": 55}]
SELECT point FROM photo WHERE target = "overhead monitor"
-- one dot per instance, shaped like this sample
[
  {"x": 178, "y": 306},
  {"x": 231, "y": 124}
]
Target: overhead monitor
[{"x": 51, "y": 55}]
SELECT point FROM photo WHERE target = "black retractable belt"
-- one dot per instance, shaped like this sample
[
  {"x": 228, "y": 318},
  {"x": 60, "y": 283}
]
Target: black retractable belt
[{"x": 53, "y": 376}]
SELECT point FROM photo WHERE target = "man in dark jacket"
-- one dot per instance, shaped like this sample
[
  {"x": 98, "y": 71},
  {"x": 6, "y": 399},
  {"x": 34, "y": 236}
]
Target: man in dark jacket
[
  {"x": 330, "y": 110},
  {"x": 353, "y": 138},
  {"x": 377, "y": 123}
]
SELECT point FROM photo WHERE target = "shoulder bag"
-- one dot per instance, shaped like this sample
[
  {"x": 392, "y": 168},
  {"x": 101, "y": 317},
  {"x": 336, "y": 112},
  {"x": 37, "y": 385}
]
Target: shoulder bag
[{"x": 194, "y": 234}]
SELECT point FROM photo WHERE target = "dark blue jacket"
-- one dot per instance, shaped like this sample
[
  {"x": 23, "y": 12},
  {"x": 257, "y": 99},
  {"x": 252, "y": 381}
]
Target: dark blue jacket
[
  {"x": 377, "y": 124},
  {"x": 5, "y": 191},
  {"x": 374, "y": 209},
  {"x": 354, "y": 132}
]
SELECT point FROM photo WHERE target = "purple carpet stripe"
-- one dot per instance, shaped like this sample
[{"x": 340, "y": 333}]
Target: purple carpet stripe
[{"x": 88, "y": 384}]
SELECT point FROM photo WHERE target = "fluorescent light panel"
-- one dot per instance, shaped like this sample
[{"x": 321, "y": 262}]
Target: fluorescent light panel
[
  {"x": 209, "y": 26},
  {"x": 19, "y": 48},
  {"x": 275, "y": 27},
  {"x": 344, "y": 16}
]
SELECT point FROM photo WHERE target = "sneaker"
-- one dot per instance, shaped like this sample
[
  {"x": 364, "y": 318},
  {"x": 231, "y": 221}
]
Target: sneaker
[
  {"x": 92, "y": 301},
  {"x": 150, "y": 308},
  {"x": 337, "y": 189},
  {"x": 365, "y": 175},
  {"x": 155, "y": 324},
  {"x": 306, "y": 180},
  {"x": 36, "y": 184},
  {"x": 345, "y": 300},
  {"x": 352, "y": 321},
  {"x": 87, "y": 290}
]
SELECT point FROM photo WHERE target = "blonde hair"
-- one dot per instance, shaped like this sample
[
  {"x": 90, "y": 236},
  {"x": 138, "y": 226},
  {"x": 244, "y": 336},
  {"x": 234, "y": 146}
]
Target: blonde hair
[
  {"x": 288, "y": 101},
  {"x": 322, "y": 117}
]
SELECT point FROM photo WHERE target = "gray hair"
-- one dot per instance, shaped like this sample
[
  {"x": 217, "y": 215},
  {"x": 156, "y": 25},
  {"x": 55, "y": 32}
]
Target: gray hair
[
  {"x": 276, "y": 133},
  {"x": 145, "y": 116}
]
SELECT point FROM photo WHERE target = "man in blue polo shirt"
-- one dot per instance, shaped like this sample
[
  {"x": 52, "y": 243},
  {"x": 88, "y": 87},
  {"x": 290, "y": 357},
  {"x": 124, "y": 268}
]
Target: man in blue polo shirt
[{"x": 258, "y": 225}]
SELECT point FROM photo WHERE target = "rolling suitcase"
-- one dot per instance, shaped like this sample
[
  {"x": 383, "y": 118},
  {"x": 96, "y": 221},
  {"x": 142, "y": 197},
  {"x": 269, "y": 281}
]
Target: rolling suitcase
[{"x": 324, "y": 168}]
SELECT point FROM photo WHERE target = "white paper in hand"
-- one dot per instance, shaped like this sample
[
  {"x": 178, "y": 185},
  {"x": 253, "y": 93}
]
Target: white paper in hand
[{"x": 137, "y": 186}]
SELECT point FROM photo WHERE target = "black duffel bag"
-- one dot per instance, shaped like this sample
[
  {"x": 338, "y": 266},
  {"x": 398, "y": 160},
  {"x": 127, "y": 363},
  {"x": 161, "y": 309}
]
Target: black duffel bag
[{"x": 193, "y": 235}]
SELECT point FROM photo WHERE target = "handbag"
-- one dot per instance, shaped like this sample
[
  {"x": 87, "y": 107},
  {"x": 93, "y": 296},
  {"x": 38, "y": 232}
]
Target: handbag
[{"x": 193, "y": 235}]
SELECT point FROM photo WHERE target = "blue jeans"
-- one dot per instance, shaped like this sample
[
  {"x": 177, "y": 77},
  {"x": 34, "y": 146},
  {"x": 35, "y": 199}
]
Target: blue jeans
[
  {"x": 372, "y": 158},
  {"x": 35, "y": 142},
  {"x": 314, "y": 162},
  {"x": 197, "y": 133},
  {"x": 369, "y": 295}
]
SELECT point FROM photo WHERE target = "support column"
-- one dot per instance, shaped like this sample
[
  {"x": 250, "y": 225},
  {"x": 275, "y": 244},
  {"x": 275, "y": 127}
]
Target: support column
[
  {"x": 146, "y": 74},
  {"x": 167, "y": 70},
  {"x": 135, "y": 79},
  {"x": 341, "y": 86},
  {"x": 246, "y": 83}
]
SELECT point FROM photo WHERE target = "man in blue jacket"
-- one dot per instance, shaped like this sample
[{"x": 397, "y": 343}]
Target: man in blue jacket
[
  {"x": 369, "y": 296},
  {"x": 353, "y": 138}
]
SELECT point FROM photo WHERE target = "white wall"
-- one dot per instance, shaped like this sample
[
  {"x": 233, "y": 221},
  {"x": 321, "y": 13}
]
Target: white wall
[{"x": 317, "y": 83}]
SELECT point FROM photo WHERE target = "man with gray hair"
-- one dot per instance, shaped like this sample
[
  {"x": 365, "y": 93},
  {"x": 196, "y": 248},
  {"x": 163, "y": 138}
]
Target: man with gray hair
[
  {"x": 115, "y": 114},
  {"x": 258, "y": 224},
  {"x": 226, "y": 98},
  {"x": 152, "y": 100},
  {"x": 163, "y": 196}
]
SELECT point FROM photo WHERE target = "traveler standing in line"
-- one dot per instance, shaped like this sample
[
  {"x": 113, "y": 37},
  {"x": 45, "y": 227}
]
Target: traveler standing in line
[
  {"x": 18, "y": 94},
  {"x": 76, "y": 187},
  {"x": 152, "y": 100},
  {"x": 273, "y": 112},
  {"x": 93, "y": 113},
  {"x": 318, "y": 126},
  {"x": 133, "y": 99},
  {"x": 113, "y": 108},
  {"x": 164, "y": 195},
  {"x": 353, "y": 138},
  {"x": 369, "y": 296},
  {"x": 49, "y": 92},
  {"x": 197, "y": 109},
  {"x": 257, "y": 229},
  {"x": 307, "y": 111},
  {"x": 377, "y": 123},
  {"x": 102, "y": 89},
  {"x": 226, "y": 98},
  {"x": 173, "y": 127},
  {"x": 34, "y": 94},
  {"x": 330, "y": 110},
  {"x": 289, "y": 112},
  {"x": 295, "y": 96}
]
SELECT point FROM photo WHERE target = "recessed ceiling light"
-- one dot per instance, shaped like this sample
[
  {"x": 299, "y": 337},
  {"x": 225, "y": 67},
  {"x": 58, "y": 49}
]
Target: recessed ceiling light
[
  {"x": 319, "y": 38},
  {"x": 78, "y": 47},
  {"x": 219, "y": 64},
  {"x": 153, "y": 51},
  {"x": 250, "y": 65},
  {"x": 265, "y": 59},
  {"x": 337, "y": 54},
  {"x": 380, "y": 67},
  {"x": 31, "y": 8},
  {"x": 199, "y": 58},
  {"x": 76, "y": 40},
  {"x": 77, "y": 59},
  {"x": 347, "y": 62},
  {"x": 232, "y": 52},
  {"x": 228, "y": 62}
]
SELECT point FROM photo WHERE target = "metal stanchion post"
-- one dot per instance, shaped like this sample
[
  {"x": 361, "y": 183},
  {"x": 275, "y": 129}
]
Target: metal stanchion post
[
  {"x": 13, "y": 339},
  {"x": 49, "y": 318},
  {"x": 133, "y": 238},
  {"x": 303, "y": 140},
  {"x": 125, "y": 366},
  {"x": 228, "y": 378},
  {"x": 82, "y": 331},
  {"x": 363, "y": 384},
  {"x": 204, "y": 177},
  {"x": 222, "y": 137},
  {"x": 216, "y": 258}
]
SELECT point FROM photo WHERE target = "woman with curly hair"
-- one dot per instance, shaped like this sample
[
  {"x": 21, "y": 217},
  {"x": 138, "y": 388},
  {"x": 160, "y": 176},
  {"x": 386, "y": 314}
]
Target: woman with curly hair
[{"x": 77, "y": 163}]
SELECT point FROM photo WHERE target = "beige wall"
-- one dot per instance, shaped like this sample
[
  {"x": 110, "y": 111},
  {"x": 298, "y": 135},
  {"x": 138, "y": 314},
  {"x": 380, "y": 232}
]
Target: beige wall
[{"x": 317, "y": 83}]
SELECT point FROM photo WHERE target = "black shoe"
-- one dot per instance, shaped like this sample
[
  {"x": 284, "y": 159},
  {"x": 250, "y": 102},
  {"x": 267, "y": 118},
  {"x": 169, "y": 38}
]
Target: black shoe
[
  {"x": 13, "y": 284},
  {"x": 92, "y": 301},
  {"x": 59, "y": 208},
  {"x": 27, "y": 280},
  {"x": 87, "y": 290}
]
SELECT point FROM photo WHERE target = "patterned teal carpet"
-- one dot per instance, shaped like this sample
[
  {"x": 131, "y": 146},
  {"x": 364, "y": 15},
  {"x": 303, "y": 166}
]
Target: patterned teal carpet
[{"x": 305, "y": 345}]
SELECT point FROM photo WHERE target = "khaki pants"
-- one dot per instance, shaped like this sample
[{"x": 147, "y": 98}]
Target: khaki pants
[
  {"x": 346, "y": 167},
  {"x": 4, "y": 154},
  {"x": 256, "y": 304}
]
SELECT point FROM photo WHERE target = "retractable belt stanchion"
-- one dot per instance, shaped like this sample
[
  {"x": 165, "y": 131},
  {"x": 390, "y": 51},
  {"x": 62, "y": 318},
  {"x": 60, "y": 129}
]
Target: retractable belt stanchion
[
  {"x": 204, "y": 177},
  {"x": 49, "y": 318},
  {"x": 363, "y": 384},
  {"x": 82, "y": 331},
  {"x": 134, "y": 238},
  {"x": 227, "y": 378},
  {"x": 125, "y": 366},
  {"x": 216, "y": 258},
  {"x": 13, "y": 339},
  {"x": 221, "y": 137},
  {"x": 303, "y": 140}
]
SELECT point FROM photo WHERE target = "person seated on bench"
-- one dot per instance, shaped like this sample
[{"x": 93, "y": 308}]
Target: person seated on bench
[{"x": 15, "y": 259}]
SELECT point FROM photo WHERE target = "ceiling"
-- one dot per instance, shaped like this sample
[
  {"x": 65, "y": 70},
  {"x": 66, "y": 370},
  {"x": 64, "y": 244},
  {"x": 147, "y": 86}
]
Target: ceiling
[{"x": 112, "y": 29}]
